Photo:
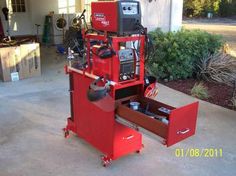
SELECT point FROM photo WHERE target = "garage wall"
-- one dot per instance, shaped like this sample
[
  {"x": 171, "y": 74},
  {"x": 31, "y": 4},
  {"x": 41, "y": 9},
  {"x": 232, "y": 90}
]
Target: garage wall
[
  {"x": 20, "y": 23},
  {"x": 38, "y": 10},
  {"x": 24, "y": 23},
  {"x": 165, "y": 14}
]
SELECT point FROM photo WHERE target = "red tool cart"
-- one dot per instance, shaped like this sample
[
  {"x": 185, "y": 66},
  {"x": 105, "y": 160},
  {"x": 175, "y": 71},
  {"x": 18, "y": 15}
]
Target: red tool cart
[{"x": 111, "y": 87}]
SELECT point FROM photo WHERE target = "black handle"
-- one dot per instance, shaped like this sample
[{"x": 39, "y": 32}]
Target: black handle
[
  {"x": 5, "y": 11},
  {"x": 82, "y": 15}
]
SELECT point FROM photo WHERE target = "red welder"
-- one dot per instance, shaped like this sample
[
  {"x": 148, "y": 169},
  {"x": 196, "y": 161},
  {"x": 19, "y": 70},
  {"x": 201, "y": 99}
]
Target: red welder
[
  {"x": 119, "y": 17},
  {"x": 109, "y": 95}
]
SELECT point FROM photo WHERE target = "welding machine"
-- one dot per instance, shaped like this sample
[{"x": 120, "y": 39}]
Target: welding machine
[
  {"x": 119, "y": 17},
  {"x": 111, "y": 98},
  {"x": 102, "y": 65}
]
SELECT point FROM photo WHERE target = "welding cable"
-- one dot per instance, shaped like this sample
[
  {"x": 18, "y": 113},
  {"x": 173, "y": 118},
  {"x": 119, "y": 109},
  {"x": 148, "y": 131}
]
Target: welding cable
[
  {"x": 141, "y": 30},
  {"x": 139, "y": 36},
  {"x": 149, "y": 47},
  {"x": 104, "y": 52}
]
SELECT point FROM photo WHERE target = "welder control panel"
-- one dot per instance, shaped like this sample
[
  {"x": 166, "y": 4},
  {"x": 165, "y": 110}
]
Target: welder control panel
[
  {"x": 129, "y": 8},
  {"x": 127, "y": 64}
]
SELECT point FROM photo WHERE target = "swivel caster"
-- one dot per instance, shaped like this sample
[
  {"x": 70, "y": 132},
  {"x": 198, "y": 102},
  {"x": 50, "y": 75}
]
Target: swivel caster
[
  {"x": 106, "y": 161},
  {"x": 66, "y": 133},
  {"x": 139, "y": 151}
]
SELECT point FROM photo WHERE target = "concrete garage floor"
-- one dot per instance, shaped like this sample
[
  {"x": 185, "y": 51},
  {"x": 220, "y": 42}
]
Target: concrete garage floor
[{"x": 33, "y": 112}]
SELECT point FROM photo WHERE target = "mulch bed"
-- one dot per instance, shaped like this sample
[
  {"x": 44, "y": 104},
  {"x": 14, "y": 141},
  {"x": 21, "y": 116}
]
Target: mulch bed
[{"x": 219, "y": 94}]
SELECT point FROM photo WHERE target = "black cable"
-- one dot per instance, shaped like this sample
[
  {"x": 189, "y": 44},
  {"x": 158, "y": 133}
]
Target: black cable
[{"x": 149, "y": 47}]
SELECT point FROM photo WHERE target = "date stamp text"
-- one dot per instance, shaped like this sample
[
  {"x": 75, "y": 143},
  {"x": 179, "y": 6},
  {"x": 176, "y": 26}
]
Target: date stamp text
[{"x": 197, "y": 152}]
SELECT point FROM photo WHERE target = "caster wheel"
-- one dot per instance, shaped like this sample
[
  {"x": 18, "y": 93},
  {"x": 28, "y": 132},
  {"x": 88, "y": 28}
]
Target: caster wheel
[
  {"x": 105, "y": 164},
  {"x": 106, "y": 161},
  {"x": 138, "y": 151},
  {"x": 66, "y": 133}
]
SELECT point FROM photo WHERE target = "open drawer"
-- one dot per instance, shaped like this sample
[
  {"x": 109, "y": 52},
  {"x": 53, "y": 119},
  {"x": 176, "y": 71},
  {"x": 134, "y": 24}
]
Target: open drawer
[{"x": 180, "y": 123}]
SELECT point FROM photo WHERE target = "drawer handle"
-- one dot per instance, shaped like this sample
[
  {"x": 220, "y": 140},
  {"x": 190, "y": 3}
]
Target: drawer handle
[
  {"x": 128, "y": 137},
  {"x": 183, "y": 131}
]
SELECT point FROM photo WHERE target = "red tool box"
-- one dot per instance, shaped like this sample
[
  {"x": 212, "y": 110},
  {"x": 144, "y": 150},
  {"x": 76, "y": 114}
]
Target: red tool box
[
  {"x": 97, "y": 124},
  {"x": 113, "y": 87}
]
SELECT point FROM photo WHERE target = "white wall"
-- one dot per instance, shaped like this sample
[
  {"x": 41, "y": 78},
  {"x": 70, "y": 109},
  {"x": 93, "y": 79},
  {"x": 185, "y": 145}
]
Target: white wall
[
  {"x": 39, "y": 9},
  {"x": 164, "y": 14},
  {"x": 156, "y": 14},
  {"x": 176, "y": 15}
]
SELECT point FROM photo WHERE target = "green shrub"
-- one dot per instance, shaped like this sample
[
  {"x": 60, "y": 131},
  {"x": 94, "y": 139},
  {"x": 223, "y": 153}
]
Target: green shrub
[
  {"x": 193, "y": 8},
  {"x": 196, "y": 8},
  {"x": 199, "y": 91},
  {"x": 199, "y": 8},
  {"x": 227, "y": 8},
  {"x": 175, "y": 53}
]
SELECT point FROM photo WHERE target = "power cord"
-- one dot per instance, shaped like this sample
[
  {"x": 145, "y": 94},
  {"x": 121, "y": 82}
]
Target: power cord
[{"x": 149, "y": 45}]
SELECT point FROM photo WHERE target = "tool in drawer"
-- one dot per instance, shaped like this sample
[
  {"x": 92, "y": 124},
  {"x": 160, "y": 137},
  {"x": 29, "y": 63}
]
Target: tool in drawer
[
  {"x": 164, "y": 110},
  {"x": 157, "y": 117},
  {"x": 153, "y": 115}
]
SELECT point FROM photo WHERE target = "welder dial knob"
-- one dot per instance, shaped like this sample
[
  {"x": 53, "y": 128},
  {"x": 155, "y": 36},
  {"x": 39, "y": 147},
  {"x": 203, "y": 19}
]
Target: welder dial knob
[
  {"x": 124, "y": 77},
  {"x": 124, "y": 8},
  {"x": 129, "y": 8}
]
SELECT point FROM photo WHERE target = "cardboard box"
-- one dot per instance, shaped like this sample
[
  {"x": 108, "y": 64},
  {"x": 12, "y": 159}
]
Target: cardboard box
[
  {"x": 30, "y": 58},
  {"x": 10, "y": 62},
  {"x": 23, "y": 59}
]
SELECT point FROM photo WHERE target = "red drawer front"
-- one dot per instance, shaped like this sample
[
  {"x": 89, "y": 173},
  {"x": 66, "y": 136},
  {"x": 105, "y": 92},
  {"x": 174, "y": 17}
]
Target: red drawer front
[
  {"x": 182, "y": 123},
  {"x": 126, "y": 140},
  {"x": 182, "y": 120}
]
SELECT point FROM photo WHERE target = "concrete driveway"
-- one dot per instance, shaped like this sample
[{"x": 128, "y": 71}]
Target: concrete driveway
[{"x": 33, "y": 112}]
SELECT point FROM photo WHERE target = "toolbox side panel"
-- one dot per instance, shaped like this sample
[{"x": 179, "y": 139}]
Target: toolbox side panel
[{"x": 93, "y": 123}]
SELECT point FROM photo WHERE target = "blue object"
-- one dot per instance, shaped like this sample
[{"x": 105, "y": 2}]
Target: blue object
[{"x": 61, "y": 49}]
